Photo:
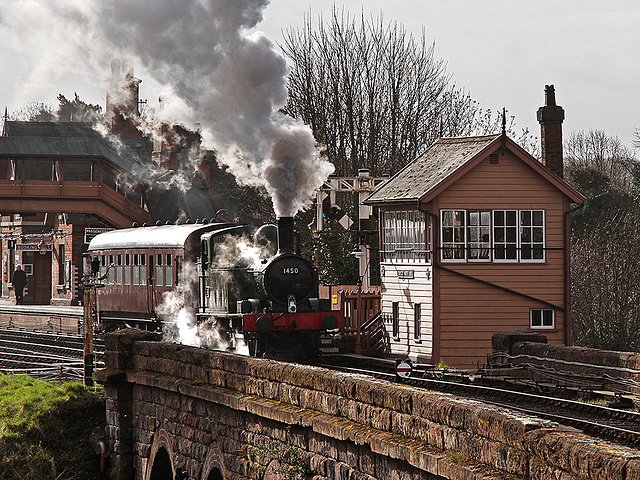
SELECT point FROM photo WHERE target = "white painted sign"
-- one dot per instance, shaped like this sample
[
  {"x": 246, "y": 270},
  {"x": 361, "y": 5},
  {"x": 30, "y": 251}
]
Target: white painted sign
[
  {"x": 33, "y": 247},
  {"x": 89, "y": 233}
]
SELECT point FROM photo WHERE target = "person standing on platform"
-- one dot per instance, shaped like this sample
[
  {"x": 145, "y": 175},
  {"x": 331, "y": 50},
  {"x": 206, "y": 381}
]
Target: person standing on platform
[{"x": 19, "y": 281}]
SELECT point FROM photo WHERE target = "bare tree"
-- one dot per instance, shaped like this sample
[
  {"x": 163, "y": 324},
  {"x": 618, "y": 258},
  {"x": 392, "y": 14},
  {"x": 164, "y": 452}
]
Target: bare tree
[
  {"x": 606, "y": 281},
  {"x": 34, "y": 112},
  {"x": 374, "y": 95},
  {"x": 603, "y": 154}
]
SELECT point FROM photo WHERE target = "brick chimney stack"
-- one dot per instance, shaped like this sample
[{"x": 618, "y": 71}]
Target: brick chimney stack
[
  {"x": 550, "y": 118},
  {"x": 121, "y": 110}
]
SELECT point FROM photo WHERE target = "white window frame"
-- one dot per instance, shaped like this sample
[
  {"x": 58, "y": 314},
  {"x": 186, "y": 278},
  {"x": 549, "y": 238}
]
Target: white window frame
[
  {"x": 505, "y": 243},
  {"x": 476, "y": 245},
  {"x": 405, "y": 236},
  {"x": 541, "y": 312},
  {"x": 532, "y": 243},
  {"x": 453, "y": 244}
]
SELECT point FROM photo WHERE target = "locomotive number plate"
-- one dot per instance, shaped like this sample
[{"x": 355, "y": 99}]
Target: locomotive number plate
[{"x": 290, "y": 271}]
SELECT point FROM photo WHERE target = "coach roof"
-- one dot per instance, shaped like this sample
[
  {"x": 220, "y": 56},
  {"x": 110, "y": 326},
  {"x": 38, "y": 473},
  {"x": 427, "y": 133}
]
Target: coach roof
[{"x": 163, "y": 236}]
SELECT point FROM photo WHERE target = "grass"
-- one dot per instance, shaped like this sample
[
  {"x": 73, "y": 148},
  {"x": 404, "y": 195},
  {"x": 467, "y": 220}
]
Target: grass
[{"x": 45, "y": 429}]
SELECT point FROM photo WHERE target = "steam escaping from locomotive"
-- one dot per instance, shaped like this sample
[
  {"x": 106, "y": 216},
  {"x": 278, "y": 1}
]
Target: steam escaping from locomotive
[
  {"x": 179, "y": 321},
  {"x": 213, "y": 72}
]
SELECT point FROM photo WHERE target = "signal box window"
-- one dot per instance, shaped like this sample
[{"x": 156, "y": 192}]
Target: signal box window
[
  {"x": 543, "y": 318},
  {"x": 405, "y": 236},
  {"x": 453, "y": 235}
]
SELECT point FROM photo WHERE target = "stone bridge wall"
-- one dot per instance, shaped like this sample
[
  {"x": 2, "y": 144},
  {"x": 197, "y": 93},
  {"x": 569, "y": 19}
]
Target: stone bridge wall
[
  {"x": 184, "y": 412},
  {"x": 586, "y": 367}
]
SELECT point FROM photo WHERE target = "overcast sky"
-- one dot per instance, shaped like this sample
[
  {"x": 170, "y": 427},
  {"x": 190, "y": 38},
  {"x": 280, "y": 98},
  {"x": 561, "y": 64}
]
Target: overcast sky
[{"x": 502, "y": 52}]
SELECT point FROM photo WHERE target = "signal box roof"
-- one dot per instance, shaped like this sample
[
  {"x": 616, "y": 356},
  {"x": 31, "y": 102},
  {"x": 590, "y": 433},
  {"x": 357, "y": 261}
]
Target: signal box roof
[{"x": 446, "y": 161}]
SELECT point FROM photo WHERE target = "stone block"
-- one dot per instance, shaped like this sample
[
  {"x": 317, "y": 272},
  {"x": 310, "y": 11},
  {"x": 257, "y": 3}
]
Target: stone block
[
  {"x": 325, "y": 447},
  {"x": 123, "y": 339},
  {"x": 116, "y": 359}
]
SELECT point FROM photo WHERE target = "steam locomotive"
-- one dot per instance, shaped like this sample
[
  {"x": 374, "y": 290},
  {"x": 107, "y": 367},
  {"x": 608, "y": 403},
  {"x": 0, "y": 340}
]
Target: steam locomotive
[{"x": 270, "y": 297}]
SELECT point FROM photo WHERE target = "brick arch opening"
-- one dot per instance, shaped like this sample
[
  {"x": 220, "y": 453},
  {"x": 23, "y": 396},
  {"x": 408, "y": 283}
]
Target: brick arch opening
[
  {"x": 161, "y": 468},
  {"x": 215, "y": 474},
  {"x": 213, "y": 466},
  {"x": 160, "y": 464}
]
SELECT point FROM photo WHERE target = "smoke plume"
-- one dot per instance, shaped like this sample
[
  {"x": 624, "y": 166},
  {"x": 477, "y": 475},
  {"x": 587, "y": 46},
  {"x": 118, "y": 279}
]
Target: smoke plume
[{"x": 202, "y": 56}]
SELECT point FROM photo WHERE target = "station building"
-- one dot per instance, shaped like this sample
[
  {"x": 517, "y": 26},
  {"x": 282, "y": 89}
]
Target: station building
[
  {"x": 474, "y": 239},
  {"x": 61, "y": 183}
]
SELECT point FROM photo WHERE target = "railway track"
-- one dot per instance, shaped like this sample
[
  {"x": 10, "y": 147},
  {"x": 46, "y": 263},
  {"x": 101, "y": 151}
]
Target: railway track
[
  {"x": 613, "y": 424},
  {"x": 46, "y": 356}
]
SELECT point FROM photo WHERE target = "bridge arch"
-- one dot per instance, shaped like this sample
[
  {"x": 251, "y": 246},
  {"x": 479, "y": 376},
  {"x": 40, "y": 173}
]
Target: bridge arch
[
  {"x": 213, "y": 466},
  {"x": 160, "y": 465}
]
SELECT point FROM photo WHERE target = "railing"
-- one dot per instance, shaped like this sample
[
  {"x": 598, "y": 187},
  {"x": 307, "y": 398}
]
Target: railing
[
  {"x": 363, "y": 308},
  {"x": 77, "y": 197},
  {"x": 357, "y": 307},
  {"x": 375, "y": 338}
]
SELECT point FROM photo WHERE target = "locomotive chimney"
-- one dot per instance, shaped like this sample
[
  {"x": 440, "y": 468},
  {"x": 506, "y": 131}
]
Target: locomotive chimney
[
  {"x": 550, "y": 118},
  {"x": 285, "y": 235}
]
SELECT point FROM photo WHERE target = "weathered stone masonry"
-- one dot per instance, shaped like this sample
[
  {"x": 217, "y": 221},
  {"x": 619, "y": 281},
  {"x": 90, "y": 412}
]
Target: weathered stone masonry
[{"x": 217, "y": 415}]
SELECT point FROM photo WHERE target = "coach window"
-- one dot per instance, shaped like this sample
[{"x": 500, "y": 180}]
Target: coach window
[
  {"x": 127, "y": 269},
  {"x": 119, "y": 269},
  {"x": 135, "y": 270},
  {"x": 168, "y": 274},
  {"x": 143, "y": 269},
  {"x": 159, "y": 270},
  {"x": 417, "y": 326},
  {"x": 111, "y": 278}
]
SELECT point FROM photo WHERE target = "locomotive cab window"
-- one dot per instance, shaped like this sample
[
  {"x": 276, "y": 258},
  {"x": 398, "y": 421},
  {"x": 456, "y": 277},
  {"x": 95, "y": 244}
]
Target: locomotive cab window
[{"x": 205, "y": 254}]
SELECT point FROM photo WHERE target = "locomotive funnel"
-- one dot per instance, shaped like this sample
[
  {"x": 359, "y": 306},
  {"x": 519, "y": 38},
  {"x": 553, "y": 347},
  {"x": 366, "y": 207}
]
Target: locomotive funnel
[{"x": 285, "y": 235}]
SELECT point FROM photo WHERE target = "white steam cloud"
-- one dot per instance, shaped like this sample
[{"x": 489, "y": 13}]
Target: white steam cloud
[
  {"x": 200, "y": 56},
  {"x": 180, "y": 324}
]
